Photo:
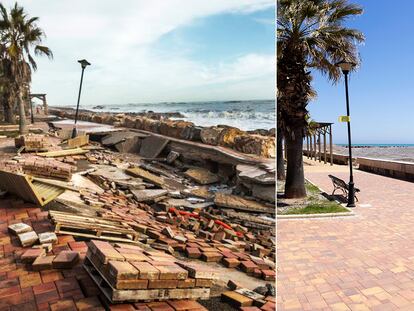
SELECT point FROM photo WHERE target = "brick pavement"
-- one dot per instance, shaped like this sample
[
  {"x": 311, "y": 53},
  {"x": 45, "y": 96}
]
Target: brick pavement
[{"x": 365, "y": 262}]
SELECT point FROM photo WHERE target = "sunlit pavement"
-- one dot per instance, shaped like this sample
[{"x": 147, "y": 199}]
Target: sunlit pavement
[{"x": 363, "y": 262}]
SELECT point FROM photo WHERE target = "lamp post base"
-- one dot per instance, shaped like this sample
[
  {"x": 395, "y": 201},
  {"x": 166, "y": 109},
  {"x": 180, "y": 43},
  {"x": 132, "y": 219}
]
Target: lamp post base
[
  {"x": 351, "y": 195},
  {"x": 74, "y": 132}
]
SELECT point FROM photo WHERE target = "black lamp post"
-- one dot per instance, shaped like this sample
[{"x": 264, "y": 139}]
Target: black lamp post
[
  {"x": 83, "y": 63},
  {"x": 346, "y": 67}
]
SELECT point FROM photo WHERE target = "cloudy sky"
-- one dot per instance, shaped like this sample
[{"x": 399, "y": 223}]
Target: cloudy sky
[{"x": 158, "y": 50}]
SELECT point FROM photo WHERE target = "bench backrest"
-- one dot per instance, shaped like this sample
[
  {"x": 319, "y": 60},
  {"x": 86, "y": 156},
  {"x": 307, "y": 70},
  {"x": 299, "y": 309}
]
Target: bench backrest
[{"x": 339, "y": 182}]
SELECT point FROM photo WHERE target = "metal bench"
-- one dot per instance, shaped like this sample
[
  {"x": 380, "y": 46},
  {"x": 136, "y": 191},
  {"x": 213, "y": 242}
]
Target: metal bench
[{"x": 342, "y": 185}]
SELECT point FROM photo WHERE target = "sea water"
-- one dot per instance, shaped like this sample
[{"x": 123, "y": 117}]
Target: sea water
[{"x": 246, "y": 114}]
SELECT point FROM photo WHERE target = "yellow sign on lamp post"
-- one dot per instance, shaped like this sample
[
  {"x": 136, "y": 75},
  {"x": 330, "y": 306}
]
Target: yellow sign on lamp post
[{"x": 344, "y": 119}]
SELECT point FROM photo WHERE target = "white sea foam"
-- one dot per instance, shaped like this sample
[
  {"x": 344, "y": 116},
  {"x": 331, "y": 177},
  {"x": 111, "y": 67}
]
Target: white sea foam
[{"x": 246, "y": 115}]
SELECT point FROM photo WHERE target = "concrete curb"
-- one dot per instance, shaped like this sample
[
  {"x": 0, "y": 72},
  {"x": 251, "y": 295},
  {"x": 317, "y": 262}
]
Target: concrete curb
[{"x": 321, "y": 215}]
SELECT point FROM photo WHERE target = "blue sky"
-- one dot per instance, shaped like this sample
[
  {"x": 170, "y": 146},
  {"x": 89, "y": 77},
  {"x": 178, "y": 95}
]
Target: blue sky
[
  {"x": 158, "y": 50},
  {"x": 382, "y": 90}
]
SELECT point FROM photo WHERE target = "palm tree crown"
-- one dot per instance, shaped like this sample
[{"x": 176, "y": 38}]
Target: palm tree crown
[
  {"x": 310, "y": 35},
  {"x": 20, "y": 37}
]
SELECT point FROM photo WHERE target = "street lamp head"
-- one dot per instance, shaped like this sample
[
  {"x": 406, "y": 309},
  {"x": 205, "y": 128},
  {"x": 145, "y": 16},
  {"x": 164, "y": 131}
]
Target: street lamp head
[
  {"x": 83, "y": 63},
  {"x": 345, "y": 66}
]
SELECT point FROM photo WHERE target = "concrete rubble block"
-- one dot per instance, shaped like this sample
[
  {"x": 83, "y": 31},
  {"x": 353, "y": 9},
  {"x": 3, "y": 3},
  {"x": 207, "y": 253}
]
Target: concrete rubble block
[
  {"x": 28, "y": 238},
  {"x": 66, "y": 260},
  {"x": 43, "y": 263},
  {"x": 19, "y": 228},
  {"x": 152, "y": 146},
  {"x": 202, "y": 176},
  {"x": 48, "y": 237},
  {"x": 148, "y": 194},
  {"x": 240, "y": 203}
]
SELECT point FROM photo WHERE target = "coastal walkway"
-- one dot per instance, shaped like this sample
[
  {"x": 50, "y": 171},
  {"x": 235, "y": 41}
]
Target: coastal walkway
[{"x": 361, "y": 262}]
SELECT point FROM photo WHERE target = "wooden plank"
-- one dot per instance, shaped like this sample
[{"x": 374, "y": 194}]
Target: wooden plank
[
  {"x": 78, "y": 141},
  {"x": 28, "y": 189},
  {"x": 62, "y": 153}
]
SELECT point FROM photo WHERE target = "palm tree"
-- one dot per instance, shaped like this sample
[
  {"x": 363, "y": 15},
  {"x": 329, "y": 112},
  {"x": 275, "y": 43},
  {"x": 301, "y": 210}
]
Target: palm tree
[
  {"x": 310, "y": 35},
  {"x": 19, "y": 37}
]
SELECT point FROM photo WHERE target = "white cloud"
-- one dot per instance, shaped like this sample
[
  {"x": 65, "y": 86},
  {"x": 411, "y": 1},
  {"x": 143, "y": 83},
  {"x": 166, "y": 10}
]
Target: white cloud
[{"x": 117, "y": 37}]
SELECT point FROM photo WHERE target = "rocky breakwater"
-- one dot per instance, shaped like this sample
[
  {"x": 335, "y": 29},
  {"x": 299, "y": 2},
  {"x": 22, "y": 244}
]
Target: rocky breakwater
[{"x": 246, "y": 142}]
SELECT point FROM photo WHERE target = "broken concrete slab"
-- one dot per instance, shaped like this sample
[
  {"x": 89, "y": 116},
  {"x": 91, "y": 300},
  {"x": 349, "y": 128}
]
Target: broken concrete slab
[
  {"x": 240, "y": 203},
  {"x": 117, "y": 137},
  {"x": 152, "y": 146},
  {"x": 201, "y": 176},
  {"x": 129, "y": 145},
  {"x": 19, "y": 228},
  {"x": 148, "y": 194},
  {"x": 254, "y": 174},
  {"x": 28, "y": 238},
  {"x": 139, "y": 172},
  {"x": 47, "y": 237}
]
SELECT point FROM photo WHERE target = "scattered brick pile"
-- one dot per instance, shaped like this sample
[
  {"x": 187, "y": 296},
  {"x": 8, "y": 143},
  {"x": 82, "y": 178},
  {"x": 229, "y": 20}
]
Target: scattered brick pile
[
  {"x": 55, "y": 289},
  {"x": 196, "y": 235},
  {"x": 128, "y": 267},
  {"x": 31, "y": 142},
  {"x": 11, "y": 166},
  {"x": 48, "y": 168}
]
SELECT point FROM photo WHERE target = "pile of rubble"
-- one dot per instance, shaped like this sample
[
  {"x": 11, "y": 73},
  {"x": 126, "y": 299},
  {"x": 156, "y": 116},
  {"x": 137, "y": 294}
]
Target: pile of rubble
[
  {"x": 32, "y": 142},
  {"x": 156, "y": 221},
  {"x": 226, "y": 136}
]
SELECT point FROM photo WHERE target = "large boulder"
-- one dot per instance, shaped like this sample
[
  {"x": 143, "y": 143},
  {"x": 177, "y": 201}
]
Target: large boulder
[
  {"x": 150, "y": 125},
  {"x": 264, "y": 146},
  {"x": 210, "y": 135},
  {"x": 192, "y": 133},
  {"x": 227, "y": 136},
  {"x": 96, "y": 118},
  {"x": 128, "y": 122},
  {"x": 174, "y": 128}
]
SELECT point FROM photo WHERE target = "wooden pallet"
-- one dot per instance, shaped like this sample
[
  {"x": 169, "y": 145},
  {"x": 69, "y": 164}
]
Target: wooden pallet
[
  {"x": 63, "y": 153},
  {"x": 28, "y": 188},
  {"x": 93, "y": 227},
  {"x": 78, "y": 141},
  {"x": 137, "y": 295}
]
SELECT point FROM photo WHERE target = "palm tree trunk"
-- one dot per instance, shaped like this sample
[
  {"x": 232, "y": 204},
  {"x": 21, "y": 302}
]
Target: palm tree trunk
[
  {"x": 295, "y": 179},
  {"x": 22, "y": 115},
  {"x": 8, "y": 114},
  {"x": 281, "y": 175}
]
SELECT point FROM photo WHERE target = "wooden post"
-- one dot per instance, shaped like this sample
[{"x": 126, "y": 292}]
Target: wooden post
[
  {"x": 330, "y": 143},
  {"x": 324, "y": 147},
  {"x": 319, "y": 146},
  {"x": 314, "y": 147},
  {"x": 307, "y": 145}
]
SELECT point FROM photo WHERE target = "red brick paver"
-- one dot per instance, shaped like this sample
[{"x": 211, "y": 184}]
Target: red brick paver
[{"x": 365, "y": 262}]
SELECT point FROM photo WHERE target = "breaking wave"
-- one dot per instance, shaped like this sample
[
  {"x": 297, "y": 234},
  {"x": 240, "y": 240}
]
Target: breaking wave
[{"x": 246, "y": 115}]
